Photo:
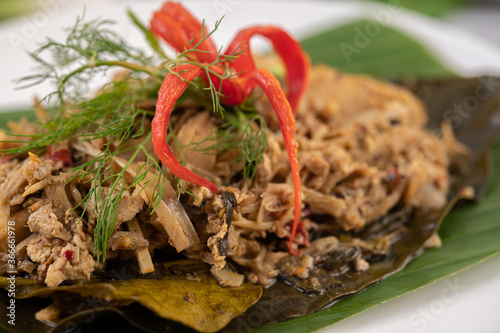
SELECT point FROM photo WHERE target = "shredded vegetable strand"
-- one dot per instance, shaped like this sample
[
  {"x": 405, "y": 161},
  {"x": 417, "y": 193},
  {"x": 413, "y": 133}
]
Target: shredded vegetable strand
[{"x": 170, "y": 213}]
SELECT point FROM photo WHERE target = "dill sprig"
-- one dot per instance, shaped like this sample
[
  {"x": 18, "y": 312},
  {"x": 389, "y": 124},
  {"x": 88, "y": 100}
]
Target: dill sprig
[
  {"x": 242, "y": 130},
  {"x": 108, "y": 186},
  {"x": 253, "y": 142},
  {"x": 113, "y": 112},
  {"x": 90, "y": 49},
  {"x": 117, "y": 114},
  {"x": 115, "y": 117},
  {"x": 247, "y": 132}
]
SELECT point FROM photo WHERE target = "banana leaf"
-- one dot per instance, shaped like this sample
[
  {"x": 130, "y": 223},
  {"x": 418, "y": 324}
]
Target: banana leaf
[
  {"x": 383, "y": 52},
  {"x": 200, "y": 303},
  {"x": 12, "y": 8},
  {"x": 475, "y": 129}
]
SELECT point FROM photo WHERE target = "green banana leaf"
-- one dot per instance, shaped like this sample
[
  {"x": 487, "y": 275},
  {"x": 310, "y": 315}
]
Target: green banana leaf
[
  {"x": 429, "y": 7},
  {"x": 368, "y": 47},
  {"x": 12, "y": 8}
]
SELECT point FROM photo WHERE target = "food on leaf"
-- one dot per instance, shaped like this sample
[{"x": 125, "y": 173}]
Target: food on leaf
[{"x": 313, "y": 191}]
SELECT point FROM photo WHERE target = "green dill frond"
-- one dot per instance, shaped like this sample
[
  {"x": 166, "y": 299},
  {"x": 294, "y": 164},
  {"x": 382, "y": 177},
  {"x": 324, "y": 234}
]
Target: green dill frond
[
  {"x": 221, "y": 60},
  {"x": 90, "y": 49},
  {"x": 246, "y": 131},
  {"x": 114, "y": 112},
  {"x": 109, "y": 183}
]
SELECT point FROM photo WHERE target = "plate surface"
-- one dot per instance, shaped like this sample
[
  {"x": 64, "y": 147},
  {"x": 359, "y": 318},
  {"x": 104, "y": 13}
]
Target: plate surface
[{"x": 461, "y": 303}]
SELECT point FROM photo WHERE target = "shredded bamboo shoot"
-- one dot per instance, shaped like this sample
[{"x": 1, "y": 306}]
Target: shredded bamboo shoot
[
  {"x": 143, "y": 255},
  {"x": 171, "y": 215}
]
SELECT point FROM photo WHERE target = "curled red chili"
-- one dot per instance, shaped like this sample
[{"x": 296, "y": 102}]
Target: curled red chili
[
  {"x": 171, "y": 89},
  {"x": 295, "y": 60},
  {"x": 182, "y": 31}
]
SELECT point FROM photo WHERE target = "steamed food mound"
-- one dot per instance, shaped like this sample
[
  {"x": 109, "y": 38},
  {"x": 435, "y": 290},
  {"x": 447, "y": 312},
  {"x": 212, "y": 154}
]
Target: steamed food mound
[{"x": 363, "y": 150}]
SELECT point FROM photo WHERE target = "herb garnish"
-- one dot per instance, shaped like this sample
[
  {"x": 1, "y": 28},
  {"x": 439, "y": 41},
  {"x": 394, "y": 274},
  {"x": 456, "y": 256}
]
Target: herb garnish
[{"x": 116, "y": 115}]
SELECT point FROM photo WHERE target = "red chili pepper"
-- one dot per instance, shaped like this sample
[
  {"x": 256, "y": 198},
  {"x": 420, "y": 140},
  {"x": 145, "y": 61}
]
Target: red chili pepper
[
  {"x": 68, "y": 254},
  {"x": 171, "y": 89},
  {"x": 181, "y": 30},
  {"x": 295, "y": 59},
  {"x": 302, "y": 231},
  {"x": 63, "y": 155},
  {"x": 270, "y": 85}
]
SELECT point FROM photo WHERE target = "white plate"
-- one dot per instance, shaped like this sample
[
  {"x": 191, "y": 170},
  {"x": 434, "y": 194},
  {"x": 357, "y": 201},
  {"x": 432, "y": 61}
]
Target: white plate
[{"x": 461, "y": 303}]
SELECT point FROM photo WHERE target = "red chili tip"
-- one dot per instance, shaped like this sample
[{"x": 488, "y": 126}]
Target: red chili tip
[
  {"x": 68, "y": 254},
  {"x": 292, "y": 251},
  {"x": 299, "y": 230},
  {"x": 303, "y": 232},
  {"x": 63, "y": 155}
]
